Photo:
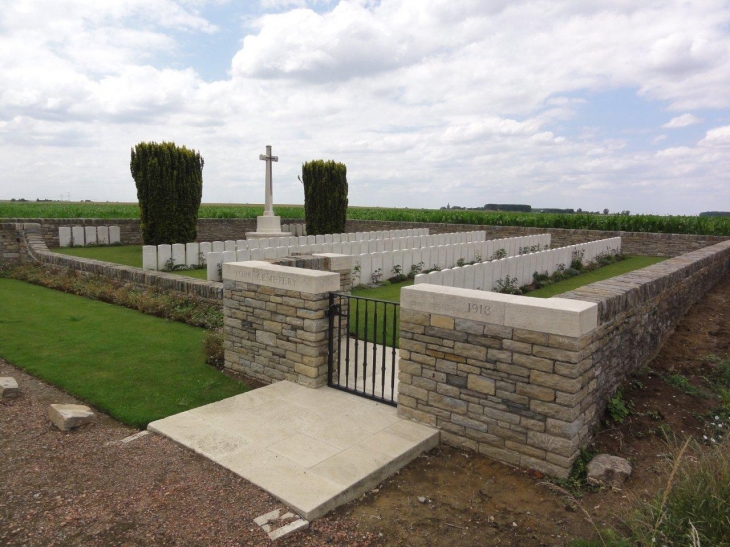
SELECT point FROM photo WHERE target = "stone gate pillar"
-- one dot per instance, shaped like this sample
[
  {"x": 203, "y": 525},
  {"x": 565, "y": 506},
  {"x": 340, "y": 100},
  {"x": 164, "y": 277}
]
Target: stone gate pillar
[{"x": 276, "y": 321}]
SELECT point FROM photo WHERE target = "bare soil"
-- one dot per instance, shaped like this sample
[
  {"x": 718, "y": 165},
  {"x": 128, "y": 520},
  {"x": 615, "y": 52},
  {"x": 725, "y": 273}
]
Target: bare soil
[{"x": 85, "y": 488}]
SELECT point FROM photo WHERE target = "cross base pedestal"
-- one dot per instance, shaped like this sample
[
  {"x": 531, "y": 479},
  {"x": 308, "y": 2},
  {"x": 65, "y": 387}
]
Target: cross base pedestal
[{"x": 267, "y": 227}]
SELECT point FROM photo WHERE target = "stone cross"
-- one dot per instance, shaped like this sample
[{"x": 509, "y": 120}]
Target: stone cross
[{"x": 269, "y": 198}]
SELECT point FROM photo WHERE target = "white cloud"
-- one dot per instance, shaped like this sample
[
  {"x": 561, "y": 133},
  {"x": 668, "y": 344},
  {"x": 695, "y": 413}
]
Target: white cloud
[
  {"x": 684, "y": 120},
  {"x": 426, "y": 101}
]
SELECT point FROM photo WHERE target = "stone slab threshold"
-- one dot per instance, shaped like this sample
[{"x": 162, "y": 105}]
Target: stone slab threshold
[{"x": 313, "y": 449}]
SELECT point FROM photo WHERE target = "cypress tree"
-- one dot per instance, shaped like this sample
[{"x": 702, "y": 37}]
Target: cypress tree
[
  {"x": 325, "y": 196},
  {"x": 169, "y": 183}
]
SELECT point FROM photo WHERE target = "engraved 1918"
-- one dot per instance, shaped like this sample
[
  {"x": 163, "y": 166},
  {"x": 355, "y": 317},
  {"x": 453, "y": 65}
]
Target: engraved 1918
[{"x": 480, "y": 309}]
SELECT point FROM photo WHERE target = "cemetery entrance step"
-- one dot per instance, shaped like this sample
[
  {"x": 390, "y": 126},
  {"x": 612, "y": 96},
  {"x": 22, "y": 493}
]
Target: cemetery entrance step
[{"x": 313, "y": 449}]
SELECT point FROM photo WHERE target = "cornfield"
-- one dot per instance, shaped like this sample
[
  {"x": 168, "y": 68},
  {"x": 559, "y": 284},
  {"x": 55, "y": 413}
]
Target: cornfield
[{"x": 628, "y": 223}]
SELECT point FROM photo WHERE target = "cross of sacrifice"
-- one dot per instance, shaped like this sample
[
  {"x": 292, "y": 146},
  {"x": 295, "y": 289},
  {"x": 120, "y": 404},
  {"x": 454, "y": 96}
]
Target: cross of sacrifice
[{"x": 269, "y": 190}]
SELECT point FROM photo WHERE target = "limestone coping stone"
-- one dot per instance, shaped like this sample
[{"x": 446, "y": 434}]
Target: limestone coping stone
[
  {"x": 338, "y": 262},
  {"x": 282, "y": 277},
  {"x": 68, "y": 416},
  {"x": 559, "y": 316},
  {"x": 8, "y": 387}
]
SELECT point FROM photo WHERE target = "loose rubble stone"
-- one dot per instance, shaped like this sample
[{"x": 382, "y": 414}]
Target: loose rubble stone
[
  {"x": 66, "y": 417},
  {"x": 608, "y": 470},
  {"x": 8, "y": 388}
]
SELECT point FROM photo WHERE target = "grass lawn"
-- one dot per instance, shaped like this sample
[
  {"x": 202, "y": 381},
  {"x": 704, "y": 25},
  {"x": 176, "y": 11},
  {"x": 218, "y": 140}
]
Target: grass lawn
[
  {"x": 129, "y": 255},
  {"x": 392, "y": 294},
  {"x": 136, "y": 367},
  {"x": 612, "y": 270}
]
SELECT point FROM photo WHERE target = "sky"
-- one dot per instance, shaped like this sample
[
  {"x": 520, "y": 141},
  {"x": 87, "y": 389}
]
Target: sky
[{"x": 612, "y": 104}]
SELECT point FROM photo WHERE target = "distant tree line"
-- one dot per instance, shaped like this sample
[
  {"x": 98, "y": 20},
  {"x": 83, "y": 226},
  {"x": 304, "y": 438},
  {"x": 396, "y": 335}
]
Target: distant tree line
[{"x": 715, "y": 214}]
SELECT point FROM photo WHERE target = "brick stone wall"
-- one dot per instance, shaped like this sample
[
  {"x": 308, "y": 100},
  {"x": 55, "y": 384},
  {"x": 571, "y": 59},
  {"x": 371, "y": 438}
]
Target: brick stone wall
[
  {"x": 13, "y": 248},
  {"x": 276, "y": 322},
  {"x": 32, "y": 239},
  {"x": 525, "y": 380},
  {"x": 633, "y": 243}
]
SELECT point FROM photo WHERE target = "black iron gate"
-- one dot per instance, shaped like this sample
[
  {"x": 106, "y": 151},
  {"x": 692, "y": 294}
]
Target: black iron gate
[{"x": 363, "y": 339}]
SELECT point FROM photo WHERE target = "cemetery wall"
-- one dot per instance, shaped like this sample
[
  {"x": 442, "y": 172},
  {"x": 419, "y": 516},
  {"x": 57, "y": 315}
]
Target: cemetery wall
[
  {"x": 213, "y": 229},
  {"x": 275, "y": 319},
  {"x": 13, "y": 248},
  {"x": 525, "y": 380},
  {"x": 208, "y": 291},
  {"x": 634, "y": 243}
]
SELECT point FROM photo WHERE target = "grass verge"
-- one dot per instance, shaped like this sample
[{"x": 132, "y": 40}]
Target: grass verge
[
  {"x": 127, "y": 255},
  {"x": 135, "y": 367},
  {"x": 606, "y": 272}
]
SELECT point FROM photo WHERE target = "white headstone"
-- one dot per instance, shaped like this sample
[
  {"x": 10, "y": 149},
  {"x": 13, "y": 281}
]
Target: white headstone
[
  {"x": 229, "y": 245},
  {"x": 205, "y": 248},
  {"x": 229, "y": 256},
  {"x": 243, "y": 255},
  {"x": 89, "y": 236},
  {"x": 366, "y": 269},
  {"x": 178, "y": 254},
  {"x": 459, "y": 278},
  {"x": 257, "y": 254},
  {"x": 219, "y": 246},
  {"x": 214, "y": 262},
  {"x": 192, "y": 258},
  {"x": 149, "y": 257},
  {"x": 64, "y": 236},
  {"x": 164, "y": 254},
  {"x": 114, "y": 235},
  {"x": 434, "y": 278},
  {"x": 447, "y": 277},
  {"x": 376, "y": 264},
  {"x": 102, "y": 235},
  {"x": 468, "y": 276}
]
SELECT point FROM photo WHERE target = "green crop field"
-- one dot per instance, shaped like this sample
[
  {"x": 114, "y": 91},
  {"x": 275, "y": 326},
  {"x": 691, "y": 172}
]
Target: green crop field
[{"x": 628, "y": 223}]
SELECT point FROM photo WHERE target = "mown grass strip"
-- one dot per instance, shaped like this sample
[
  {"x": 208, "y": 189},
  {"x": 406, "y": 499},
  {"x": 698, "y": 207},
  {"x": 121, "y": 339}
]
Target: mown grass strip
[
  {"x": 674, "y": 224},
  {"x": 133, "y": 366},
  {"x": 391, "y": 293},
  {"x": 128, "y": 255},
  {"x": 606, "y": 272}
]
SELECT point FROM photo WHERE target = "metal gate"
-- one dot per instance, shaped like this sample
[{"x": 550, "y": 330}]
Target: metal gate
[{"x": 363, "y": 354}]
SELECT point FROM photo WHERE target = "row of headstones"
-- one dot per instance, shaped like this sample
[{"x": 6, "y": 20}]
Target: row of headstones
[
  {"x": 352, "y": 237},
  {"x": 375, "y": 267},
  {"x": 520, "y": 269},
  {"x": 295, "y": 229},
  {"x": 80, "y": 236},
  {"x": 192, "y": 254}
]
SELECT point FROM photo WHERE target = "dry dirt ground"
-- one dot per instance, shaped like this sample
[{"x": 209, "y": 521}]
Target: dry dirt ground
[{"x": 86, "y": 488}]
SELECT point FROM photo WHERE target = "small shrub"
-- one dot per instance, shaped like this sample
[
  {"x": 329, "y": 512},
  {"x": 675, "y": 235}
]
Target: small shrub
[
  {"x": 415, "y": 270},
  {"x": 214, "y": 348},
  {"x": 576, "y": 261},
  {"x": 376, "y": 276},
  {"x": 499, "y": 254},
  {"x": 460, "y": 263},
  {"x": 508, "y": 285},
  {"x": 618, "y": 410}
]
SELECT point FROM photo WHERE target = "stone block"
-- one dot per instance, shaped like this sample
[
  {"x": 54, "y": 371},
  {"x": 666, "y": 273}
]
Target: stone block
[
  {"x": 481, "y": 384},
  {"x": 608, "y": 470},
  {"x": 282, "y": 277},
  {"x": 8, "y": 388},
  {"x": 66, "y": 416}
]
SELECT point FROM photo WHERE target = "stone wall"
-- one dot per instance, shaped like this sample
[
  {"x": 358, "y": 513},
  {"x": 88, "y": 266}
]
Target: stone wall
[
  {"x": 633, "y": 243},
  {"x": 276, "y": 321},
  {"x": 209, "y": 291},
  {"x": 524, "y": 380},
  {"x": 13, "y": 248}
]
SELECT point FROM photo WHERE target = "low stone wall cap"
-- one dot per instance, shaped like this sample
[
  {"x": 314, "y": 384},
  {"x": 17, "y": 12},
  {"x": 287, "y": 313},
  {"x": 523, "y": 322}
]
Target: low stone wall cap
[{"x": 282, "y": 277}]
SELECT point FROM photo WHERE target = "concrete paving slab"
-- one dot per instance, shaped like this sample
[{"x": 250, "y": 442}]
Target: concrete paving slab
[{"x": 313, "y": 449}]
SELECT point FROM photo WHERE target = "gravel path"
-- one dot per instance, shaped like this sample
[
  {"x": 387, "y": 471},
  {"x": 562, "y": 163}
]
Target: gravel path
[{"x": 86, "y": 488}]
